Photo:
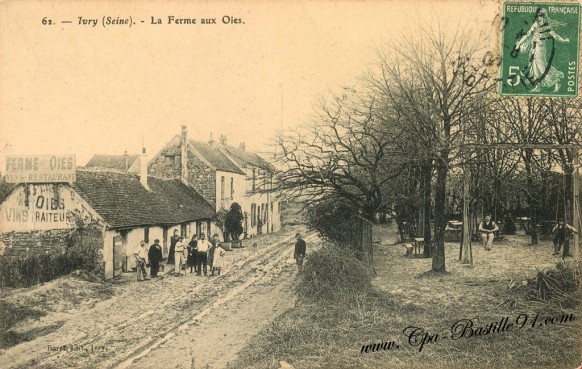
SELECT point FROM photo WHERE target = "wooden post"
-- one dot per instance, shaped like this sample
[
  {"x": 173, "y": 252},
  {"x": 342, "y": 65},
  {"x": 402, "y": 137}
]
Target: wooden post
[
  {"x": 576, "y": 205},
  {"x": 466, "y": 242}
]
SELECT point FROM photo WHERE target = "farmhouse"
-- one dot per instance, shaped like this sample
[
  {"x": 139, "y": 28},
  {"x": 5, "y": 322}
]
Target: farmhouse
[
  {"x": 223, "y": 175},
  {"x": 125, "y": 207}
]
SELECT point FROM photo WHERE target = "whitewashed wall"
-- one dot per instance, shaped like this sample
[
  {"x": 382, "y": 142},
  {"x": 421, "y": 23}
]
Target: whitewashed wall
[{"x": 50, "y": 206}]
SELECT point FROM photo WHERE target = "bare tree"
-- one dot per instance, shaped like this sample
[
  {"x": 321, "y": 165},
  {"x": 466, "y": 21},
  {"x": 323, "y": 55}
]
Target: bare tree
[
  {"x": 436, "y": 83},
  {"x": 347, "y": 153}
]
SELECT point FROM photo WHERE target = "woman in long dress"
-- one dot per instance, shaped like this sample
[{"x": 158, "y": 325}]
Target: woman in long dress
[
  {"x": 534, "y": 42},
  {"x": 218, "y": 258}
]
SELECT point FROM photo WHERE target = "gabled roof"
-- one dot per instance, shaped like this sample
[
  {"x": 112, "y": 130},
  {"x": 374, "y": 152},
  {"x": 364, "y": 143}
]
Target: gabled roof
[
  {"x": 244, "y": 158},
  {"x": 111, "y": 161},
  {"x": 6, "y": 189},
  {"x": 121, "y": 200},
  {"x": 215, "y": 157}
]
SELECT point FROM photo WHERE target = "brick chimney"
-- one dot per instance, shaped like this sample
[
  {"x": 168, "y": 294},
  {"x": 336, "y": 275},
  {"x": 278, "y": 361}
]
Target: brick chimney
[
  {"x": 242, "y": 146},
  {"x": 143, "y": 169},
  {"x": 223, "y": 140},
  {"x": 211, "y": 141},
  {"x": 184, "y": 154}
]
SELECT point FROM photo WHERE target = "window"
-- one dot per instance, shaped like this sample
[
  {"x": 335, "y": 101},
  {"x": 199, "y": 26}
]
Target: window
[
  {"x": 254, "y": 178},
  {"x": 198, "y": 228},
  {"x": 231, "y": 188},
  {"x": 146, "y": 235},
  {"x": 170, "y": 160},
  {"x": 253, "y": 215},
  {"x": 222, "y": 192},
  {"x": 183, "y": 230}
]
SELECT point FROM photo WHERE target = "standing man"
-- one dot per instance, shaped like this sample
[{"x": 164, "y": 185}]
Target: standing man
[
  {"x": 142, "y": 256},
  {"x": 488, "y": 228},
  {"x": 192, "y": 246},
  {"x": 179, "y": 257},
  {"x": 173, "y": 240},
  {"x": 155, "y": 257},
  {"x": 202, "y": 254},
  {"x": 561, "y": 233},
  {"x": 300, "y": 250}
]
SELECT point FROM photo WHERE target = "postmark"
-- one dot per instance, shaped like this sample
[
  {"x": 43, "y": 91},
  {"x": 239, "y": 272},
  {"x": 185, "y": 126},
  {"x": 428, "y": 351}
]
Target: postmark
[{"x": 540, "y": 49}]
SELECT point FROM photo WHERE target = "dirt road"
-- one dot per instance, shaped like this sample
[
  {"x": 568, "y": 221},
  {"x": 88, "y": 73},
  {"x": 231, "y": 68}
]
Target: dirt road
[{"x": 178, "y": 322}]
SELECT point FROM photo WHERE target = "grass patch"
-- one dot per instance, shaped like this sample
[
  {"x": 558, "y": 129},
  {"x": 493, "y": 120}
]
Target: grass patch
[
  {"x": 13, "y": 338},
  {"x": 330, "y": 332},
  {"x": 332, "y": 336},
  {"x": 332, "y": 273},
  {"x": 12, "y": 314}
]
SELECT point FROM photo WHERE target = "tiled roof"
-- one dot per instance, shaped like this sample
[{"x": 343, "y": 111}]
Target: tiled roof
[
  {"x": 244, "y": 158},
  {"x": 123, "y": 202},
  {"x": 111, "y": 161},
  {"x": 216, "y": 158}
]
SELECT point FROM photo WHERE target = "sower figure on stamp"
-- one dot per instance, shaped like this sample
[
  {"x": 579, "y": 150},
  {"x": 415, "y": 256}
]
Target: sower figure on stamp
[
  {"x": 562, "y": 233},
  {"x": 155, "y": 257},
  {"x": 488, "y": 228},
  {"x": 300, "y": 250},
  {"x": 535, "y": 43}
]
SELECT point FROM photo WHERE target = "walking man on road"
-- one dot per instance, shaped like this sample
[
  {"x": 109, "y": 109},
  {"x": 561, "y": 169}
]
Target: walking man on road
[
  {"x": 300, "y": 250},
  {"x": 488, "y": 228}
]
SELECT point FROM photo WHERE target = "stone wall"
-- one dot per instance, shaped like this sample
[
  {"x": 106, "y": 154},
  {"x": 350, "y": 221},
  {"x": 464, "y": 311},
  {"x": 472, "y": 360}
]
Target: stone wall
[
  {"x": 168, "y": 164},
  {"x": 23, "y": 243}
]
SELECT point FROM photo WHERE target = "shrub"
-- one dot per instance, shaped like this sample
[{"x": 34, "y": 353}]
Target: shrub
[
  {"x": 334, "y": 221},
  {"x": 233, "y": 222},
  {"x": 219, "y": 219},
  {"x": 333, "y": 273},
  {"x": 82, "y": 251}
]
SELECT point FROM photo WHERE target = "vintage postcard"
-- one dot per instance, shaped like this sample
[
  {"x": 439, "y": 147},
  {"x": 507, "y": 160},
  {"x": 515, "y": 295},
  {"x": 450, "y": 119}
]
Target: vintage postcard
[{"x": 290, "y": 184}]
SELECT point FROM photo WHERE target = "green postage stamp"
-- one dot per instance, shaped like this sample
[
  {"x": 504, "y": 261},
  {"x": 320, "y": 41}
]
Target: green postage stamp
[{"x": 540, "y": 49}]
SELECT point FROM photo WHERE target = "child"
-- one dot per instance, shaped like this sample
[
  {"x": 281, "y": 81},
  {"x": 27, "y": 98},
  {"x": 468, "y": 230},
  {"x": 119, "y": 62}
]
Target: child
[{"x": 217, "y": 258}]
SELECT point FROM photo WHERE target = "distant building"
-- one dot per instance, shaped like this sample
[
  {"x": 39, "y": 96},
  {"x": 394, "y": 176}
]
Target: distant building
[
  {"x": 128, "y": 208},
  {"x": 126, "y": 163},
  {"x": 222, "y": 175}
]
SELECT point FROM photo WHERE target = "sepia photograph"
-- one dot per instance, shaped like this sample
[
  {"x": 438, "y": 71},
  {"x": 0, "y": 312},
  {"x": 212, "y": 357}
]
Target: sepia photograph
[{"x": 290, "y": 184}]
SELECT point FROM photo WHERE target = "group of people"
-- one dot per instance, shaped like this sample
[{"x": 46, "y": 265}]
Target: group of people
[
  {"x": 199, "y": 254},
  {"x": 561, "y": 232}
]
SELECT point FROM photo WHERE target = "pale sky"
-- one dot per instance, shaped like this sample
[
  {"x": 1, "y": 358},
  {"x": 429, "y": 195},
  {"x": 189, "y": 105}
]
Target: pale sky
[{"x": 77, "y": 89}]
